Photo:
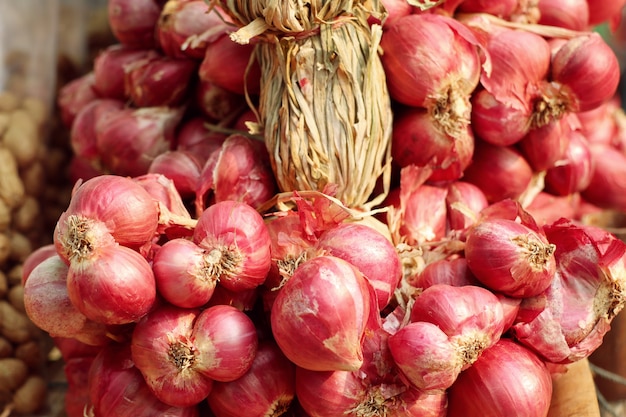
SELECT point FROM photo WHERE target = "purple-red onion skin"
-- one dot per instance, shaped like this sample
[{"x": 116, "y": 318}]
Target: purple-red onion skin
[
  {"x": 236, "y": 229},
  {"x": 509, "y": 257},
  {"x": 568, "y": 321},
  {"x": 501, "y": 172},
  {"x": 269, "y": 385},
  {"x": 506, "y": 380},
  {"x": 114, "y": 286},
  {"x": 574, "y": 172},
  {"x": 320, "y": 315},
  {"x": 117, "y": 388},
  {"x": 607, "y": 188},
  {"x": 425, "y": 356},
  {"x": 370, "y": 252},
  {"x": 133, "y": 22},
  {"x": 47, "y": 301},
  {"x": 459, "y": 311},
  {"x": 180, "y": 278},
  {"x": 424, "y": 53},
  {"x": 341, "y": 393},
  {"x": 160, "y": 344},
  {"x": 588, "y": 69},
  {"x": 227, "y": 342},
  {"x": 126, "y": 210},
  {"x": 237, "y": 79}
]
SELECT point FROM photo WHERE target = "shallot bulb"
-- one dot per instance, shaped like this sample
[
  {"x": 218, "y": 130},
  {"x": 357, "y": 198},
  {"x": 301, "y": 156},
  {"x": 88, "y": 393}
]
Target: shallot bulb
[
  {"x": 569, "y": 14},
  {"x": 193, "y": 136},
  {"x": 512, "y": 102},
  {"x": 567, "y": 322},
  {"x": 451, "y": 271},
  {"x": 320, "y": 315},
  {"x": 417, "y": 139},
  {"x": 450, "y": 327},
  {"x": 84, "y": 129},
  {"x": 491, "y": 386},
  {"x": 115, "y": 285},
  {"x": 185, "y": 28},
  {"x": 48, "y": 305},
  {"x": 574, "y": 172},
  {"x": 239, "y": 171},
  {"x": 103, "y": 210},
  {"x": 608, "y": 178},
  {"x": 216, "y": 102},
  {"x": 369, "y": 251},
  {"x": 267, "y": 389},
  {"x": 237, "y": 244},
  {"x": 134, "y": 22},
  {"x": 74, "y": 96},
  {"x": 180, "y": 352},
  {"x": 239, "y": 79},
  {"x": 543, "y": 147},
  {"x": 109, "y": 69},
  {"x": 128, "y": 140},
  {"x": 463, "y": 203},
  {"x": 344, "y": 393},
  {"x": 182, "y": 167},
  {"x": 117, "y": 388},
  {"x": 501, "y": 172},
  {"x": 183, "y": 275},
  {"x": 587, "y": 70},
  {"x": 510, "y": 257},
  {"x": 159, "y": 81},
  {"x": 601, "y": 11},
  {"x": 432, "y": 61}
]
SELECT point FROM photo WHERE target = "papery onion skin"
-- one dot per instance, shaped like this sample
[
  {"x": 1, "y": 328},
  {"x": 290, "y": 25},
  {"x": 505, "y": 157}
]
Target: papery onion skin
[
  {"x": 370, "y": 252},
  {"x": 567, "y": 322},
  {"x": 164, "y": 351},
  {"x": 509, "y": 257},
  {"x": 493, "y": 387},
  {"x": 114, "y": 286},
  {"x": 117, "y": 388},
  {"x": 267, "y": 389},
  {"x": 319, "y": 316},
  {"x": 180, "y": 274},
  {"x": 35, "y": 258},
  {"x": 543, "y": 147},
  {"x": 227, "y": 343},
  {"x": 113, "y": 203}
]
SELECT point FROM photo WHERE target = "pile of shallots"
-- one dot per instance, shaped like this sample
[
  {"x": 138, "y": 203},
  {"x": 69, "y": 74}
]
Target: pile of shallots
[{"x": 182, "y": 282}]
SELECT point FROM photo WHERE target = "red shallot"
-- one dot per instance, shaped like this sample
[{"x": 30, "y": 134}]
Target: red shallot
[
  {"x": 237, "y": 244},
  {"x": 492, "y": 386},
  {"x": 510, "y": 257}
]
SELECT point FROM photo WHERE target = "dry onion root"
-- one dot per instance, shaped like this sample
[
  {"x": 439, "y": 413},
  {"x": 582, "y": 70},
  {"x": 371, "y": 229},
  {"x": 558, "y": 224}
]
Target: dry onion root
[{"x": 324, "y": 107}]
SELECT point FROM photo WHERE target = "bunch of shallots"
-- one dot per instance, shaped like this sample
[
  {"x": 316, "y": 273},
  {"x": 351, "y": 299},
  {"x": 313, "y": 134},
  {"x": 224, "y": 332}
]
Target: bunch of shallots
[{"x": 195, "y": 273}]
